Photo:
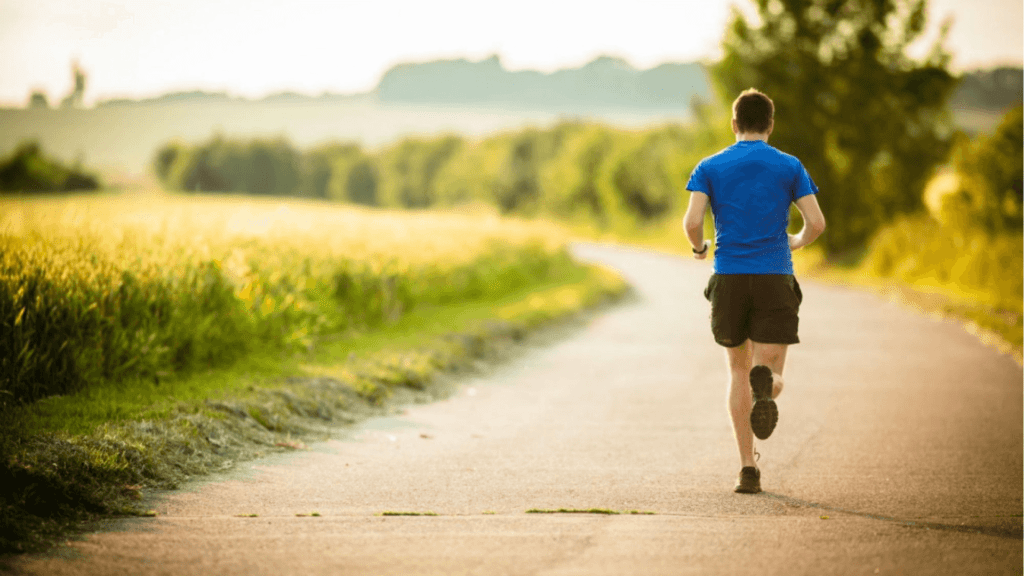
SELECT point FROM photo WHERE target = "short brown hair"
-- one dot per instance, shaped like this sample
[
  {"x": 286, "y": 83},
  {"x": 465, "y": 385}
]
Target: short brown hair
[{"x": 753, "y": 111}]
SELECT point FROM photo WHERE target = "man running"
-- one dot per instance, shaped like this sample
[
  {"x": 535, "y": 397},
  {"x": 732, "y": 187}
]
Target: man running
[{"x": 754, "y": 296}]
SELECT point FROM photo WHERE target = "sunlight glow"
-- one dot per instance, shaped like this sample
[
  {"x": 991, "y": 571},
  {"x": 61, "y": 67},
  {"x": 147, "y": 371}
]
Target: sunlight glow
[{"x": 138, "y": 48}]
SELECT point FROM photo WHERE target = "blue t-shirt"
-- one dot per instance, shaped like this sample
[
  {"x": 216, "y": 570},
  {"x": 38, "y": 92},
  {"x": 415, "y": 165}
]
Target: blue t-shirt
[{"x": 750, "y": 186}]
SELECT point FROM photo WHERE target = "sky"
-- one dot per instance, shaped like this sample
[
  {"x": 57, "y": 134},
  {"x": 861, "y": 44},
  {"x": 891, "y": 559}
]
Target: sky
[{"x": 251, "y": 48}]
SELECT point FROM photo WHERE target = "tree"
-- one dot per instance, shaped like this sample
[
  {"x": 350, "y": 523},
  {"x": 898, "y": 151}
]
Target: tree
[
  {"x": 317, "y": 166},
  {"x": 354, "y": 176},
  {"x": 75, "y": 97},
  {"x": 569, "y": 183},
  {"x": 409, "y": 170},
  {"x": 27, "y": 169},
  {"x": 517, "y": 187},
  {"x": 867, "y": 121},
  {"x": 643, "y": 180},
  {"x": 38, "y": 100},
  {"x": 165, "y": 158}
]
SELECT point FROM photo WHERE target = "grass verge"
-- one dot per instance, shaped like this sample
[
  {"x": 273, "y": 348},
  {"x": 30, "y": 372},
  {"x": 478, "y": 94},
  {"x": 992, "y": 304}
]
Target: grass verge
[
  {"x": 989, "y": 314},
  {"x": 91, "y": 454}
]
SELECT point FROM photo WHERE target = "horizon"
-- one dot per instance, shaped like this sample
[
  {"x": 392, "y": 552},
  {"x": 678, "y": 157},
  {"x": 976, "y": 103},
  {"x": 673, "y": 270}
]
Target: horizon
[
  {"x": 139, "y": 49},
  {"x": 203, "y": 92},
  {"x": 369, "y": 91}
]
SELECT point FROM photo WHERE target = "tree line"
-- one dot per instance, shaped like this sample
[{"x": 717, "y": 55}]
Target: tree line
[
  {"x": 574, "y": 171},
  {"x": 593, "y": 174}
]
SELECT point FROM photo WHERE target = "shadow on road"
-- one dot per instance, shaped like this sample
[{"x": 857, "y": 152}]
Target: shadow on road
[{"x": 1012, "y": 532}]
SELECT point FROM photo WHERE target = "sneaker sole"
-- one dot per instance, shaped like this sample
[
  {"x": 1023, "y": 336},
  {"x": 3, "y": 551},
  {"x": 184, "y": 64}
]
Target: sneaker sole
[{"x": 765, "y": 413}]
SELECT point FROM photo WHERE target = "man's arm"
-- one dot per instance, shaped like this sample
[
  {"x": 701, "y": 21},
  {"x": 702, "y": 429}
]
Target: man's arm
[
  {"x": 814, "y": 222},
  {"x": 693, "y": 222}
]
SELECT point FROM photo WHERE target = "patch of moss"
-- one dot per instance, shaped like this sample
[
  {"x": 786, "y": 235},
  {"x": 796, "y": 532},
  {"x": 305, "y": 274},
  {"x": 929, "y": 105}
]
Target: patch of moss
[
  {"x": 393, "y": 513},
  {"x": 604, "y": 511}
]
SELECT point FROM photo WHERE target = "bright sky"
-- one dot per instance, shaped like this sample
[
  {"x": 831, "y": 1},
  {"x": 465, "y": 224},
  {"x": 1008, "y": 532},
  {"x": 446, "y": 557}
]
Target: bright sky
[{"x": 138, "y": 48}]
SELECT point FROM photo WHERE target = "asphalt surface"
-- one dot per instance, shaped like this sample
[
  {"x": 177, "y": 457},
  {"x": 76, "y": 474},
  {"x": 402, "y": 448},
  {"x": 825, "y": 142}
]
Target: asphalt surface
[{"x": 898, "y": 451}]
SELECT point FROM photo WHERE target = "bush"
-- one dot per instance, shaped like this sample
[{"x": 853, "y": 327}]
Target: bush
[
  {"x": 989, "y": 188},
  {"x": 259, "y": 167},
  {"x": 28, "y": 170},
  {"x": 971, "y": 261}
]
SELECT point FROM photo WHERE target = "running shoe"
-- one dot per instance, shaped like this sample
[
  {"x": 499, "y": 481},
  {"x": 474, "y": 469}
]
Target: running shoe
[
  {"x": 749, "y": 481},
  {"x": 765, "y": 414}
]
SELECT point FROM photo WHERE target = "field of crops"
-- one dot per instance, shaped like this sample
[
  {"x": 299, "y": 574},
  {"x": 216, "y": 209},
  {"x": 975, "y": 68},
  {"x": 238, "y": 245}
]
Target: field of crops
[{"x": 121, "y": 287}]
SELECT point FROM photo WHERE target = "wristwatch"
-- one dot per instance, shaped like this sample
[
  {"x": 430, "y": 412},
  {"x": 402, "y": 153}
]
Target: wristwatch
[{"x": 703, "y": 250}]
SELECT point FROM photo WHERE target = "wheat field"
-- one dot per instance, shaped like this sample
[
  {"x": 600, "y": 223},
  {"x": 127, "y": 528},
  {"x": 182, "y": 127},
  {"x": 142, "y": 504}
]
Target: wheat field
[{"x": 115, "y": 287}]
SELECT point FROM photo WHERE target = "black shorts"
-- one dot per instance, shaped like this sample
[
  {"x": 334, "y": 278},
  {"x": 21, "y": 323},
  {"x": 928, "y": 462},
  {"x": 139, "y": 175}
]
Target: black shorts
[{"x": 759, "y": 307}]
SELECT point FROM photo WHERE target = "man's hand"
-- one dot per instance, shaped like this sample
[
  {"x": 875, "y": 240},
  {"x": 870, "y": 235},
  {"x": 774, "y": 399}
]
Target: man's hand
[
  {"x": 704, "y": 254},
  {"x": 814, "y": 222},
  {"x": 693, "y": 223}
]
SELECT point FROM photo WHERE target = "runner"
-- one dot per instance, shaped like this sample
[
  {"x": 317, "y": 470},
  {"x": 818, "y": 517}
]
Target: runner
[{"x": 754, "y": 296}]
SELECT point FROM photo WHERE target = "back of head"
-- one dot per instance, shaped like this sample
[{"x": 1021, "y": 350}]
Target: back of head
[{"x": 753, "y": 112}]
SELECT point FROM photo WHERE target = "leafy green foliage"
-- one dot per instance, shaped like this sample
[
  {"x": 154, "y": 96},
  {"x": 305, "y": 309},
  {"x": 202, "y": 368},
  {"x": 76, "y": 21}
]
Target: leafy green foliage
[
  {"x": 988, "y": 191},
  {"x": 971, "y": 245},
  {"x": 28, "y": 170},
  {"x": 973, "y": 262},
  {"x": 867, "y": 121}
]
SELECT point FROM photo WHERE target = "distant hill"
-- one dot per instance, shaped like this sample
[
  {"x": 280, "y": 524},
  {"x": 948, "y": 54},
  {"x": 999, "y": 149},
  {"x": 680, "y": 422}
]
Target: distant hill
[
  {"x": 417, "y": 99},
  {"x": 614, "y": 83},
  {"x": 994, "y": 90},
  {"x": 201, "y": 97},
  {"x": 606, "y": 82},
  {"x": 984, "y": 96}
]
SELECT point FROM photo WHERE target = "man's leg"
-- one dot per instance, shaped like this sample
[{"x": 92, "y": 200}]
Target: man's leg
[
  {"x": 765, "y": 385},
  {"x": 774, "y": 357},
  {"x": 740, "y": 400},
  {"x": 741, "y": 359}
]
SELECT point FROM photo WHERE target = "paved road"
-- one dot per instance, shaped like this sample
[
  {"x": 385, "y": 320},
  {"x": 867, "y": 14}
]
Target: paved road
[{"x": 898, "y": 451}]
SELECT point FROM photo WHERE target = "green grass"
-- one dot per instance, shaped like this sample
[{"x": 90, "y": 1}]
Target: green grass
[{"x": 112, "y": 403}]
